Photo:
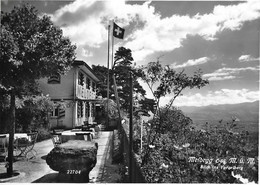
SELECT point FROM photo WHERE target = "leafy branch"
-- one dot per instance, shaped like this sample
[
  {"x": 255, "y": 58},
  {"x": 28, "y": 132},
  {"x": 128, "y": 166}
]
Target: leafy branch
[{"x": 163, "y": 81}]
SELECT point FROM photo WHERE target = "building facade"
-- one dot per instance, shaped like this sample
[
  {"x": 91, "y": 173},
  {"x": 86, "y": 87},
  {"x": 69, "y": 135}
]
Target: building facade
[{"x": 74, "y": 95}]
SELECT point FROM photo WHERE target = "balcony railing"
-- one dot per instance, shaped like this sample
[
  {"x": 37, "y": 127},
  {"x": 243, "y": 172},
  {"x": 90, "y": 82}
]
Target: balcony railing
[{"x": 84, "y": 93}]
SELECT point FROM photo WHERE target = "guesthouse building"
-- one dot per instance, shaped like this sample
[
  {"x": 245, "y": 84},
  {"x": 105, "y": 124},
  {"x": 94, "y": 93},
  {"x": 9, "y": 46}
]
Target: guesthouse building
[{"x": 74, "y": 96}]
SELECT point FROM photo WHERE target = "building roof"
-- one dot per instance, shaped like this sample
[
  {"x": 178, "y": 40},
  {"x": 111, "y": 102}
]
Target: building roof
[{"x": 87, "y": 68}]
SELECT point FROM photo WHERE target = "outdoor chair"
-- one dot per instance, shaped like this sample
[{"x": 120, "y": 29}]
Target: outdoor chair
[
  {"x": 98, "y": 130},
  {"x": 56, "y": 139},
  {"x": 77, "y": 127},
  {"x": 3, "y": 148},
  {"x": 85, "y": 128},
  {"x": 91, "y": 126},
  {"x": 85, "y": 123},
  {"x": 25, "y": 146}
]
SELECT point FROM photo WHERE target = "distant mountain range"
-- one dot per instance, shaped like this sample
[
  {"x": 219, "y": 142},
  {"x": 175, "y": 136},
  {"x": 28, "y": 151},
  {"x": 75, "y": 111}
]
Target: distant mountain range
[{"x": 245, "y": 112}]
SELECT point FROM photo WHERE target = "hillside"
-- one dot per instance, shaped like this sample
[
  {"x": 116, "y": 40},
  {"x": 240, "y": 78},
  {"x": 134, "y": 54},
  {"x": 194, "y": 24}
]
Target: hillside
[{"x": 245, "y": 112}]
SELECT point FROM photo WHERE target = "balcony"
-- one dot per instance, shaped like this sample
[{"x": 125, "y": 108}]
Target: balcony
[{"x": 83, "y": 93}]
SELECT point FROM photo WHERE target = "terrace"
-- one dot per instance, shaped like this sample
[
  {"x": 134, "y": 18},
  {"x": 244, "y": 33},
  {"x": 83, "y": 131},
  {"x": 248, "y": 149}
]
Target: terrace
[{"x": 37, "y": 170}]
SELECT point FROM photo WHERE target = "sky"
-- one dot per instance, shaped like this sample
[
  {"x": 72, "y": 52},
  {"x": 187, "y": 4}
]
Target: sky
[{"x": 219, "y": 37}]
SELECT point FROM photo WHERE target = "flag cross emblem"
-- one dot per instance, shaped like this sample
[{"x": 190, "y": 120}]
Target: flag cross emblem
[{"x": 118, "y": 32}]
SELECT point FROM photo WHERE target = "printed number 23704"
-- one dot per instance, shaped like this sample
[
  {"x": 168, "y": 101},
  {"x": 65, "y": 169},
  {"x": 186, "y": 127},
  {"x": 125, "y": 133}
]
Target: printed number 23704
[{"x": 72, "y": 172}]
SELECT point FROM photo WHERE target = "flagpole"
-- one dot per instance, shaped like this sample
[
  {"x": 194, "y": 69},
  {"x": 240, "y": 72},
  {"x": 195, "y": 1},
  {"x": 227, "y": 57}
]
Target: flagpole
[
  {"x": 112, "y": 59},
  {"x": 108, "y": 51}
]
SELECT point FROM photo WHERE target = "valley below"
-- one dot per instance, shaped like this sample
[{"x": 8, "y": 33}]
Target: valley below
[{"x": 217, "y": 116}]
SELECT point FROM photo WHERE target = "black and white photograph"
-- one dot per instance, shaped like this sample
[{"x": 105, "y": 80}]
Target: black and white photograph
[{"x": 125, "y": 91}]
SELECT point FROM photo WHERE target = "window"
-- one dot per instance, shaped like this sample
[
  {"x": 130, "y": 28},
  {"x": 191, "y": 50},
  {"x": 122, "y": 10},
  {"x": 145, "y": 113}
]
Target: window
[
  {"x": 81, "y": 79},
  {"x": 58, "y": 112},
  {"x": 55, "y": 112},
  {"x": 87, "y": 110},
  {"x": 54, "y": 79},
  {"x": 88, "y": 83},
  {"x": 94, "y": 86},
  {"x": 93, "y": 110},
  {"x": 80, "y": 109}
]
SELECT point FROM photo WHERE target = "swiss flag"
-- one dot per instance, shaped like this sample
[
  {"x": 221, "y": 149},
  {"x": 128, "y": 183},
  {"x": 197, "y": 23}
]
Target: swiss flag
[{"x": 118, "y": 32}]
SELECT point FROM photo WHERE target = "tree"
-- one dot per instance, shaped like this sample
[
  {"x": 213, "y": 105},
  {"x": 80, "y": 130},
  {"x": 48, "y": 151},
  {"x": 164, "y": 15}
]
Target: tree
[
  {"x": 121, "y": 73},
  {"x": 31, "y": 48},
  {"x": 147, "y": 105},
  {"x": 101, "y": 73},
  {"x": 34, "y": 113},
  {"x": 162, "y": 81},
  {"x": 168, "y": 81},
  {"x": 121, "y": 68},
  {"x": 123, "y": 56}
]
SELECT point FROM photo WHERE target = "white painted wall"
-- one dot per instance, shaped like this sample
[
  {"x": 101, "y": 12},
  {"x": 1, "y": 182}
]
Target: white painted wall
[
  {"x": 66, "y": 121},
  {"x": 64, "y": 90}
]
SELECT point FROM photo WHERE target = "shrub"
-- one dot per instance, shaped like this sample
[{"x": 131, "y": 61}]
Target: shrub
[
  {"x": 181, "y": 154},
  {"x": 43, "y": 134},
  {"x": 60, "y": 127}
]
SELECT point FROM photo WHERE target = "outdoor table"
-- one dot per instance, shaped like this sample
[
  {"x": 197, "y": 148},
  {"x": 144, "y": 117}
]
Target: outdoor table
[
  {"x": 3, "y": 148},
  {"x": 23, "y": 144},
  {"x": 3, "y": 139},
  {"x": 17, "y": 136},
  {"x": 95, "y": 127},
  {"x": 76, "y": 135}
]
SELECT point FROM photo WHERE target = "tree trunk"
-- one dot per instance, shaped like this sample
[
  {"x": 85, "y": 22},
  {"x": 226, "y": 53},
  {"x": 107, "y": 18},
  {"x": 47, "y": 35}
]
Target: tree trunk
[{"x": 11, "y": 134}]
